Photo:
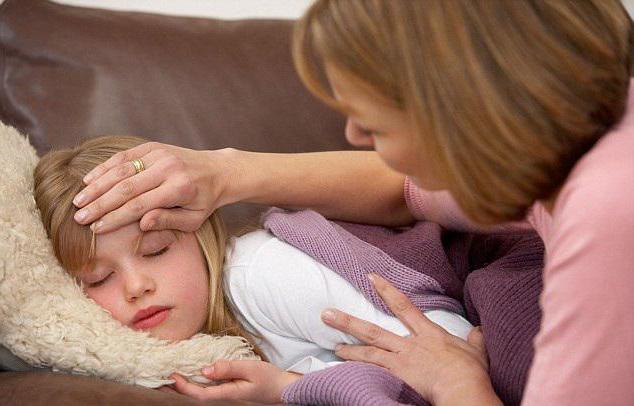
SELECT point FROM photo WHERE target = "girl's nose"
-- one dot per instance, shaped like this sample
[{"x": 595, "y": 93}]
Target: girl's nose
[
  {"x": 357, "y": 136},
  {"x": 137, "y": 284}
]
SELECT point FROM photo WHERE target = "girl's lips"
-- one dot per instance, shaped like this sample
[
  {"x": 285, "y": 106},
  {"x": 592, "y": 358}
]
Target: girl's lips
[{"x": 152, "y": 321}]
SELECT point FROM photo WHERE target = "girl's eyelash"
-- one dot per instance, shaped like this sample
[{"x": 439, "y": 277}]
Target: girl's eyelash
[
  {"x": 98, "y": 283},
  {"x": 157, "y": 253}
]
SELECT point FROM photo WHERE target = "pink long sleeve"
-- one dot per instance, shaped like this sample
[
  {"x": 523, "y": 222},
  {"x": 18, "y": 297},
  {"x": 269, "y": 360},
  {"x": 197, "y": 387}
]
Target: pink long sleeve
[
  {"x": 440, "y": 207},
  {"x": 584, "y": 352}
]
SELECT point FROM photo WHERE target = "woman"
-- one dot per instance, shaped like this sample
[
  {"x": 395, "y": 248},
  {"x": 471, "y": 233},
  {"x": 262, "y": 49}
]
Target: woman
[{"x": 485, "y": 113}]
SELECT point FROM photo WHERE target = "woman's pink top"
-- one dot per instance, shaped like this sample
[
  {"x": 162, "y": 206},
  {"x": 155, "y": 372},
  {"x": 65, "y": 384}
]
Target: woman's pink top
[{"x": 584, "y": 352}]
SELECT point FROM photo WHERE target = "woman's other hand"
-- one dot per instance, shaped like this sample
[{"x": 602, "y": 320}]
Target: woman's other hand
[
  {"x": 255, "y": 381},
  {"x": 177, "y": 189},
  {"x": 443, "y": 368}
]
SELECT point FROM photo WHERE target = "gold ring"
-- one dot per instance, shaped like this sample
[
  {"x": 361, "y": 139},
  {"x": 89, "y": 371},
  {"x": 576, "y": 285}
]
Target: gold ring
[{"x": 138, "y": 165}]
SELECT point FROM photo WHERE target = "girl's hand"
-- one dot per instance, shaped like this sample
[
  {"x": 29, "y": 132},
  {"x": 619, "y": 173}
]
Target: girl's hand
[
  {"x": 178, "y": 189},
  {"x": 443, "y": 368},
  {"x": 256, "y": 381}
]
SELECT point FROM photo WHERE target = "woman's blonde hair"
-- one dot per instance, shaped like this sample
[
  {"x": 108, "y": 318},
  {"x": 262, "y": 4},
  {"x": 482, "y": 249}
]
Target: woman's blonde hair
[
  {"x": 58, "y": 178},
  {"x": 506, "y": 96}
]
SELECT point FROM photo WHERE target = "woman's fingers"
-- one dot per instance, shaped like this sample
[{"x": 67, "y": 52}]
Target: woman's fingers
[
  {"x": 172, "y": 179},
  {"x": 118, "y": 159},
  {"x": 114, "y": 195},
  {"x": 104, "y": 183},
  {"x": 476, "y": 339},
  {"x": 117, "y": 175},
  {"x": 181, "y": 385},
  {"x": 239, "y": 374},
  {"x": 228, "y": 390},
  {"x": 366, "y": 353},
  {"x": 403, "y": 309},
  {"x": 167, "y": 389},
  {"x": 365, "y": 331},
  {"x": 238, "y": 369},
  {"x": 135, "y": 208},
  {"x": 124, "y": 180},
  {"x": 172, "y": 219}
]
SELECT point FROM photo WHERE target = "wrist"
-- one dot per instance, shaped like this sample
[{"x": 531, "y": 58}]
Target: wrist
[
  {"x": 251, "y": 177},
  {"x": 228, "y": 175},
  {"x": 468, "y": 393},
  {"x": 289, "y": 378}
]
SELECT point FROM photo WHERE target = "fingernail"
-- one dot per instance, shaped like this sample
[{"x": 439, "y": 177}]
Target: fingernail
[
  {"x": 372, "y": 277},
  {"x": 208, "y": 370},
  {"x": 96, "y": 226},
  {"x": 79, "y": 199},
  {"x": 81, "y": 215},
  {"x": 328, "y": 315},
  {"x": 88, "y": 178}
]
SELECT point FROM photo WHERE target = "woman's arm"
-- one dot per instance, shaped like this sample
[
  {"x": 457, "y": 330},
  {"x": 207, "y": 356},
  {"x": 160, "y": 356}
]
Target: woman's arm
[
  {"x": 353, "y": 186},
  {"x": 180, "y": 188}
]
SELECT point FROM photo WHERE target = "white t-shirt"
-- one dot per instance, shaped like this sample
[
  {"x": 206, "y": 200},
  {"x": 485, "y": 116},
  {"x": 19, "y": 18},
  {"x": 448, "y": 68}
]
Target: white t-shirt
[{"x": 278, "y": 293}]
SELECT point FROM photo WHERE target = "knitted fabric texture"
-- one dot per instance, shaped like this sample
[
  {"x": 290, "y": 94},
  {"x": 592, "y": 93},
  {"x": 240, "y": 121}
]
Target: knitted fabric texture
[
  {"x": 497, "y": 275},
  {"x": 353, "y": 258},
  {"x": 352, "y": 383},
  {"x": 46, "y": 320}
]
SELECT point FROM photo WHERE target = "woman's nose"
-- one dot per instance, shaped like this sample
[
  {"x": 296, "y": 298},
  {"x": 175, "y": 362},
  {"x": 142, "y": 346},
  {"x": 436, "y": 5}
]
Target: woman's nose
[
  {"x": 137, "y": 284},
  {"x": 357, "y": 136}
]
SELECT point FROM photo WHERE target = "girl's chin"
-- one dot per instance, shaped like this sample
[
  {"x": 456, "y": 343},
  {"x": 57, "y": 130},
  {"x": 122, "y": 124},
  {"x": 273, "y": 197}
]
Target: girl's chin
[
  {"x": 167, "y": 336},
  {"x": 163, "y": 333}
]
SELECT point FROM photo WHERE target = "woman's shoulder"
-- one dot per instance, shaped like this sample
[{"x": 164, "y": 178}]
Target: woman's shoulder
[
  {"x": 593, "y": 219},
  {"x": 600, "y": 189}
]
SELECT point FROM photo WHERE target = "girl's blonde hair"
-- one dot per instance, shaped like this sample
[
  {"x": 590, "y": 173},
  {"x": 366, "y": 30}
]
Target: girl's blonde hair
[
  {"x": 58, "y": 178},
  {"x": 506, "y": 96}
]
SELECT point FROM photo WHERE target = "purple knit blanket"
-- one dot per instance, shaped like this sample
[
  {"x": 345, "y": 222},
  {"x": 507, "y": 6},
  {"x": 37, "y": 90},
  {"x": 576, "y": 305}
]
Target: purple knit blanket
[{"x": 494, "y": 279}]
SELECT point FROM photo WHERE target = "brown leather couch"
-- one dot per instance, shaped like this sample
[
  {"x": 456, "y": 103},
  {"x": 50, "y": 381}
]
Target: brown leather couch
[{"x": 69, "y": 73}]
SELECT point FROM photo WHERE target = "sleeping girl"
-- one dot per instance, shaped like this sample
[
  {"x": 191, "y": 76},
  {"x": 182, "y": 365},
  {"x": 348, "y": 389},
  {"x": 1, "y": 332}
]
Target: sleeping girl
[{"x": 174, "y": 285}]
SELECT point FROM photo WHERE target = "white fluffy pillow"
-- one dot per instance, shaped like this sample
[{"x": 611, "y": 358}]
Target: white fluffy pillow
[{"x": 47, "y": 321}]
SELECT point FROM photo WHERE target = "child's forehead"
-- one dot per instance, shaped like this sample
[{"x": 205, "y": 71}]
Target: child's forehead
[{"x": 130, "y": 238}]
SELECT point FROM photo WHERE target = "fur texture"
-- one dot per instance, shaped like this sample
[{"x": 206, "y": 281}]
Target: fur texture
[{"x": 46, "y": 320}]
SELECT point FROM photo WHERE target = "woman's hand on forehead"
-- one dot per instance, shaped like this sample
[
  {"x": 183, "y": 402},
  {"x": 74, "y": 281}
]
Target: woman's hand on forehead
[{"x": 173, "y": 188}]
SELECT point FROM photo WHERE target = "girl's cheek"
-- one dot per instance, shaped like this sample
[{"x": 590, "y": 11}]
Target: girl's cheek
[{"x": 105, "y": 298}]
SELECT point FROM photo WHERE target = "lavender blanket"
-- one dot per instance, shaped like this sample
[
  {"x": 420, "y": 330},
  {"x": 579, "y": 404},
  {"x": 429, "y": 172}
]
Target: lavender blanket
[{"x": 496, "y": 278}]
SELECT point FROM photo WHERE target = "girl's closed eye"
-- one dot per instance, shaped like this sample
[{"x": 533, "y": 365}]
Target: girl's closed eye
[
  {"x": 155, "y": 243},
  {"x": 99, "y": 282},
  {"x": 157, "y": 253},
  {"x": 102, "y": 281}
]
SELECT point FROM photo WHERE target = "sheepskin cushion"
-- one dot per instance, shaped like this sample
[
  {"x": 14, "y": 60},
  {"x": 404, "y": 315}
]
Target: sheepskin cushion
[{"x": 46, "y": 320}]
